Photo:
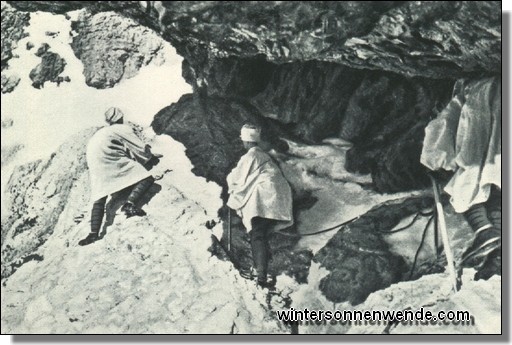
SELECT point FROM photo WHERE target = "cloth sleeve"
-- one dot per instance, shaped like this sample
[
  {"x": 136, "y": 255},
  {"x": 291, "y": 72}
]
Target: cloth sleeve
[
  {"x": 238, "y": 175},
  {"x": 439, "y": 146},
  {"x": 134, "y": 146}
]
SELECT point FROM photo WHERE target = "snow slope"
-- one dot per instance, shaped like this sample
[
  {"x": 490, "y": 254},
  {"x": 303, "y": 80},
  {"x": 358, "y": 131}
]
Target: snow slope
[{"x": 146, "y": 275}]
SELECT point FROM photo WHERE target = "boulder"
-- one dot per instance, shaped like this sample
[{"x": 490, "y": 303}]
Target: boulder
[
  {"x": 357, "y": 256},
  {"x": 113, "y": 48},
  {"x": 49, "y": 69}
]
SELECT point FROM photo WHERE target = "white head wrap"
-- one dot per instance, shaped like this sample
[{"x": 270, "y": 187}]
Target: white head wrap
[
  {"x": 113, "y": 115},
  {"x": 250, "y": 133}
]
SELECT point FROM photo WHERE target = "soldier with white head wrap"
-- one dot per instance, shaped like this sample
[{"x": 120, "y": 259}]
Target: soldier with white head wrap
[
  {"x": 117, "y": 159},
  {"x": 261, "y": 195}
]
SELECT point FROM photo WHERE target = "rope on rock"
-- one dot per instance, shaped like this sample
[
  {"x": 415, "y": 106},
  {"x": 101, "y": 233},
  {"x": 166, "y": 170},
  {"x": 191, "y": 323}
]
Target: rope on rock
[
  {"x": 416, "y": 217},
  {"x": 423, "y": 237}
]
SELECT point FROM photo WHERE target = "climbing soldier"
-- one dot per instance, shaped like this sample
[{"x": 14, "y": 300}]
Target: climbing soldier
[
  {"x": 117, "y": 159},
  {"x": 261, "y": 195},
  {"x": 465, "y": 139}
]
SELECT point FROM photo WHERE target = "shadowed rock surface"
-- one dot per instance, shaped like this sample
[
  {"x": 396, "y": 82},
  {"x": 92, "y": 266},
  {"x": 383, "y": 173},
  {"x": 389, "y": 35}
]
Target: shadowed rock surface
[
  {"x": 382, "y": 113},
  {"x": 210, "y": 127},
  {"x": 359, "y": 259}
]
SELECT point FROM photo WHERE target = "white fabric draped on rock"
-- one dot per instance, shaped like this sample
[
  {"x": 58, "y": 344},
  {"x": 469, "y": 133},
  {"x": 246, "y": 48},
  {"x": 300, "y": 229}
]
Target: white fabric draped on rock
[
  {"x": 115, "y": 156},
  {"x": 466, "y": 138},
  {"x": 258, "y": 188}
]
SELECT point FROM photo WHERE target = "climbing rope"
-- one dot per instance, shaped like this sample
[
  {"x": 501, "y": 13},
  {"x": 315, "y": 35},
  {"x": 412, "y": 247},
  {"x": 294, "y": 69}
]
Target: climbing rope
[
  {"x": 423, "y": 237},
  {"x": 318, "y": 232},
  {"x": 416, "y": 217},
  {"x": 419, "y": 214}
]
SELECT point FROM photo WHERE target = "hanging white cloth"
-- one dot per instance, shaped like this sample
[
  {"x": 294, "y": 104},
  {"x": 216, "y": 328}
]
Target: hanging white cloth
[{"x": 466, "y": 138}]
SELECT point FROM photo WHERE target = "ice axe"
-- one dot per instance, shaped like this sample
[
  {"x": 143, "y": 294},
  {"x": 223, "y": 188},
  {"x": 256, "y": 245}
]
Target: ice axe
[{"x": 441, "y": 222}]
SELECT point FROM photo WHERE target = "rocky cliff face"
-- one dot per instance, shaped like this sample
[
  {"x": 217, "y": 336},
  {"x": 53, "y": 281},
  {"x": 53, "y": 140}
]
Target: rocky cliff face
[
  {"x": 308, "y": 65},
  {"x": 36, "y": 196},
  {"x": 383, "y": 114},
  {"x": 13, "y": 29},
  {"x": 431, "y": 39}
]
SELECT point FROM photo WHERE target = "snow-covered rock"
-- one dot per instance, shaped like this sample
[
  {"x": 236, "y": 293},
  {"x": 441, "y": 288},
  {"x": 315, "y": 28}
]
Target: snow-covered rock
[{"x": 146, "y": 275}]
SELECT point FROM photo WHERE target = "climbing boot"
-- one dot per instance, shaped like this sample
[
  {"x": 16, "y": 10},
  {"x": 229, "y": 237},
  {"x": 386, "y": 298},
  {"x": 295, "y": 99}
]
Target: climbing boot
[
  {"x": 266, "y": 283},
  {"x": 131, "y": 210},
  {"x": 486, "y": 241},
  {"x": 247, "y": 273},
  {"x": 92, "y": 237},
  {"x": 490, "y": 266}
]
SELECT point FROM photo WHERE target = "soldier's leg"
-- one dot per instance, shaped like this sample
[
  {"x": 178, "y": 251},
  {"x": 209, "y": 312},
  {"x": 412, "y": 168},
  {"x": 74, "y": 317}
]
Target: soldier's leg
[
  {"x": 259, "y": 245},
  {"x": 97, "y": 213},
  {"x": 493, "y": 206},
  {"x": 492, "y": 263},
  {"x": 487, "y": 237},
  {"x": 141, "y": 187}
]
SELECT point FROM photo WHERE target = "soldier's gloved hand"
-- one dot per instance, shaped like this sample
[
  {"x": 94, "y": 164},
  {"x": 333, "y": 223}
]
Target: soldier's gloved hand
[{"x": 153, "y": 161}]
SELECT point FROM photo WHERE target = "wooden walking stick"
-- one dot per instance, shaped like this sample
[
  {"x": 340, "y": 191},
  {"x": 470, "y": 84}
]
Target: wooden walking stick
[{"x": 444, "y": 236}]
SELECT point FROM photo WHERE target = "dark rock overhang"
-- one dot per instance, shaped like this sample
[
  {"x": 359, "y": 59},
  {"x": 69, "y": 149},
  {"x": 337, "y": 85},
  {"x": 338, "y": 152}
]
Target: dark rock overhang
[{"x": 445, "y": 39}]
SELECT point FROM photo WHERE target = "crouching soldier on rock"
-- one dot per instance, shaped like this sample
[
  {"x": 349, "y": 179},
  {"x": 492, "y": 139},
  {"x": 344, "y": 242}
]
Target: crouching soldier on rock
[
  {"x": 117, "y": 159},
  {"x": 261, "y": 195}
]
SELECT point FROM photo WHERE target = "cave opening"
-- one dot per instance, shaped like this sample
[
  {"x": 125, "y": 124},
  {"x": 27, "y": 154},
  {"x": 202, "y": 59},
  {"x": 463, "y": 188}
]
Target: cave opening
[{"x": 382, "y": 114}]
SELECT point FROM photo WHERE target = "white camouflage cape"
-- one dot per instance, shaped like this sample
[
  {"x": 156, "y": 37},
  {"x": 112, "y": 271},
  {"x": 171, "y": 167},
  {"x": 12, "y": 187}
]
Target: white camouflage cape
[
  {"x": 115, "y": 156},
  {"x": 466, "y": 138},
  {"x": 258, "y": 188}
]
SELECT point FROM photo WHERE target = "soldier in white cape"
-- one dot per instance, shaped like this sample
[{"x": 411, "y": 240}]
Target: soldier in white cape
[
  {"x": 117, "y": 159},
  {"x": 261, "y": 195},
  {"x": 465, "y": 139}
]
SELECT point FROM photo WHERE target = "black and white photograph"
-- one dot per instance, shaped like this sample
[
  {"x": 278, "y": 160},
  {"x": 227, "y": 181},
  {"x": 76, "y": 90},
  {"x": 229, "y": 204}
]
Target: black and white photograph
[{"x": 253, "y": 168}]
